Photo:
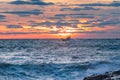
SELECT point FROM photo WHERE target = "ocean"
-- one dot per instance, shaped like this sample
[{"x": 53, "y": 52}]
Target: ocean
[{"x": 57, "y": 60}]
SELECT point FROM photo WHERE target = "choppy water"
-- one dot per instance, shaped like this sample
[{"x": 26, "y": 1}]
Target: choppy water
[{"x": 56, "y": 59}]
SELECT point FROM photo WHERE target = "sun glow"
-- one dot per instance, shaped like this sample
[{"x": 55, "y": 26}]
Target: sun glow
[{"x": 64, "y": 35}]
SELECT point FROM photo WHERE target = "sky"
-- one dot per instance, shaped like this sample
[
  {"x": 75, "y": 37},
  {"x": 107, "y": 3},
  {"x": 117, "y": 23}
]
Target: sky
[{"x": 39, "y": 19}]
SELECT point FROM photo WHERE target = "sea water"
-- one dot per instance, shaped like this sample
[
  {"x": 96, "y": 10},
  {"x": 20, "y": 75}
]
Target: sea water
[{"x": 56, "y": 59}]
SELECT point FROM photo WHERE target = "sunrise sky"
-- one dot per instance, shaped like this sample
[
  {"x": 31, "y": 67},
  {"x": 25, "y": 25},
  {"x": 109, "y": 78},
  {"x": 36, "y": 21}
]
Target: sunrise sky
[{"x": 31, "y": 19}]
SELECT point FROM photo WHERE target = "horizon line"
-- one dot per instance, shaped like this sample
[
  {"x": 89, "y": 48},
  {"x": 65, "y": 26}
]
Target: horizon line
[{"x": 51, "y": 38}]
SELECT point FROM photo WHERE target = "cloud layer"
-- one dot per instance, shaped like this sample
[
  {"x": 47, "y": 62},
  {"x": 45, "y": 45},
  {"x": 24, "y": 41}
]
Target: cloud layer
[
  {"x": 30, "y": 2},
  {"x": 51, "y": 17}
]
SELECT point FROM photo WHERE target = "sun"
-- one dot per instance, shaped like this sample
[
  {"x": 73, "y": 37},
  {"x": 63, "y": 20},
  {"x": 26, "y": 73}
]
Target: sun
[{"x": 65, "y": 33}]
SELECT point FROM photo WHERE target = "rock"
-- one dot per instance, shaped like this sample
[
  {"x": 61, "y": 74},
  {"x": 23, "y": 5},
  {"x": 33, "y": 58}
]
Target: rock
[{"x": 115, "y": 75}]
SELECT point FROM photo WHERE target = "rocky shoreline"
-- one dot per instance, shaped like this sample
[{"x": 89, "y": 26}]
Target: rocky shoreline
[{"x": 115, "y": 75}]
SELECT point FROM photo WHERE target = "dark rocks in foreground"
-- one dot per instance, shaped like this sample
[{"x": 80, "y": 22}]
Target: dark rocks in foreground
[{"x": 115, "y": 75}]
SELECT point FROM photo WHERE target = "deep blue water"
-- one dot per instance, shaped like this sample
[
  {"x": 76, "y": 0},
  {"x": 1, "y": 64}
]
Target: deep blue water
[{"x": 56, "y": 59}]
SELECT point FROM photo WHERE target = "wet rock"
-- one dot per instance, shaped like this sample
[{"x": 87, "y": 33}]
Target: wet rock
[{"x": 115, "y": 75}]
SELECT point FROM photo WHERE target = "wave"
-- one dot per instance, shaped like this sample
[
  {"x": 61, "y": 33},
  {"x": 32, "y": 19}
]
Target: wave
[
  {"x": 71, "y": 71},
  {"x": 57, "y": 60}
]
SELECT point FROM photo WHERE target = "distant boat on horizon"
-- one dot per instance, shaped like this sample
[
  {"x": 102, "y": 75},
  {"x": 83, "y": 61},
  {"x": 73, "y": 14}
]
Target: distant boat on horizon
[{"x": 66, "y": 38}]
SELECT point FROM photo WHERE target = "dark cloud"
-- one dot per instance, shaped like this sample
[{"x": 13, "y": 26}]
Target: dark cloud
[
  {"x": 117, "y": 32},
  {"x": 78, "y": 9},
  {"x": 58, "y": 23},
  {"x": 25, "y": 13},
  {"x": 49, "y": 24},
  {"x": 55, "y": 18},
  {"x": 114, "y": 4},
  {"x": 2, "y": 17},
  {"x": 1, "y": 20},
  {"x": 102, "y": 23},
  {"x": 31, "y": 2},
  {"x": 92, "y": 32},
  {"x": 19, "y": 33},
  {"x": 76, "y": 15},
  {"x": 115, "y": 13},
  {"x": 110, "y": 22},
  {"x": 61, "y": 15},
  {"x": 14, "y": 26}
]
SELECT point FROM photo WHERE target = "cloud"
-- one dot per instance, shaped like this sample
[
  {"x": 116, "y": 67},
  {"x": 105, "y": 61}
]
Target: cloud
[
  {"x": 115, "y": 13},
  {"x": 14, "y": 26},
  {"x": 110, "y": 22},
  {"x": 8, "y": 33},
  {"x": 76, "y": 15},
  {"x": 55, "y": 18},
  {"x": 102, "y": 23},
  {"x": 113, "y": 4},
  {"x": 31, "y": 2},
  {"x": 1, "y": 20},
  {"x": 2, "y": 17},
  {"x": 49, "y": 24},
  {"x": 25, "y": 13},
  {"x": 78, "y": 9}
]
